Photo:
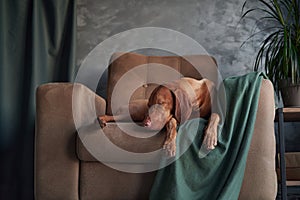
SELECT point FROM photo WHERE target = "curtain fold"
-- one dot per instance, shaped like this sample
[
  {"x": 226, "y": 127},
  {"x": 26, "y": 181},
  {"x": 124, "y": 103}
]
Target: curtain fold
[{"x": 37, "y": 45}]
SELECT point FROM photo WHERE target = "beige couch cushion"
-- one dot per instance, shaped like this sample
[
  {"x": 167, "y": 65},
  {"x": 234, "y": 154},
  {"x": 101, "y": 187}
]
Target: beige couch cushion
[
  {"x": 89, "y": 143},
  {"x": 188, "y": 66}
]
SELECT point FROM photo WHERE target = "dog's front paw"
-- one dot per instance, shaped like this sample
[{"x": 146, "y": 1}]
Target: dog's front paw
[
  {"x": 102, "y": 121},
  {"x": 211, "y": 132},
  {"x": 170, "y": 148},
  {"x": 210, "y": 138}
]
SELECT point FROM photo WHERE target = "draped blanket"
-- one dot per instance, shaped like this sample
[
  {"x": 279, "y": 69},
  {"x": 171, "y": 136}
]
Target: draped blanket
[{"x": 218, "y": 175}]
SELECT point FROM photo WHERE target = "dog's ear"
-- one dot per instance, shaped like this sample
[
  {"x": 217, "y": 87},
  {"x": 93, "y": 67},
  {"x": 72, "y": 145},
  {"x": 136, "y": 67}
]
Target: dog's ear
[
  {"x": 151, "y": 99},
  {"x": 182, "y": 106}
]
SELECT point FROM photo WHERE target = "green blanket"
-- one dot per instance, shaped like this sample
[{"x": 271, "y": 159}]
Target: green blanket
[{"x": 218, "y": 175}]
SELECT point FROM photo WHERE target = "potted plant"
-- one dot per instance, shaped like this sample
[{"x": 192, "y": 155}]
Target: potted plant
[{"x": 279, "y": 52}]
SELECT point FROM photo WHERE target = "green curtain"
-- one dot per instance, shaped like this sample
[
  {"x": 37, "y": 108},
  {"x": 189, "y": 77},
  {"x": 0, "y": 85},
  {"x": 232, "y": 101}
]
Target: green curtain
[{"x": 37, "y": 45}]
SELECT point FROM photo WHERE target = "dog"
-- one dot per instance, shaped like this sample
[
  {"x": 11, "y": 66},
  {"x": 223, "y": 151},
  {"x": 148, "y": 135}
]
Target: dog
[{"x": 171, "y": 104}]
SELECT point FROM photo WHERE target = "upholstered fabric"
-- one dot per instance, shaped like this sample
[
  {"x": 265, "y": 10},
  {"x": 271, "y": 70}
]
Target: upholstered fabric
[
  {"x": 98, "y": 181},
  {"x": 118, "y": 137},
  {"x": 56, "y": 162},
  {"x": 261, "y": 157},
  {"x": 64, "y": 168}
]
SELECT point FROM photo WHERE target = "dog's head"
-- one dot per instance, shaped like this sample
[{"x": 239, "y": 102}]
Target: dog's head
[{"x": 161, "y": 108}]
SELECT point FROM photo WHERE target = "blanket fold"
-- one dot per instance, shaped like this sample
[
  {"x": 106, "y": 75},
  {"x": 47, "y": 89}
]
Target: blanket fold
[{"x": 218, "y": 175}]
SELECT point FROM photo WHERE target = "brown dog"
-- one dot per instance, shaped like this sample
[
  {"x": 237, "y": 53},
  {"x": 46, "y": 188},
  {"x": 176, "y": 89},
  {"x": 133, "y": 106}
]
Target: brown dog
[{"x": 171, "y": 104}]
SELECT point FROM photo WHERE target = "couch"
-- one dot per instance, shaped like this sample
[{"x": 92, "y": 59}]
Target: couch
[{"x": 65, "y": 168}]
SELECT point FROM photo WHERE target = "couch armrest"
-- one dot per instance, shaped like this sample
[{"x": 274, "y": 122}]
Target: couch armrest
[
  {"x": 56, "y": 164},
  {"x": 260, "y": 180}
]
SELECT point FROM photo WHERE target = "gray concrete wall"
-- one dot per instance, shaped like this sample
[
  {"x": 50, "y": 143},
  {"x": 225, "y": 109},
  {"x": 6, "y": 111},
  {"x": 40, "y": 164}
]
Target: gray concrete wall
[{"x": 212, "y": 23}]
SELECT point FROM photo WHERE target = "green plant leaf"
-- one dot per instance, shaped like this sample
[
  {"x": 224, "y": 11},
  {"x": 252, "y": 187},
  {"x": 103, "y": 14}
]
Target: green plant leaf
[{"x": 279, "y": 51}]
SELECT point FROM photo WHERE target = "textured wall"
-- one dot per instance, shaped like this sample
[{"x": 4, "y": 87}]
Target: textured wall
[{"x": 213, "y": 23}]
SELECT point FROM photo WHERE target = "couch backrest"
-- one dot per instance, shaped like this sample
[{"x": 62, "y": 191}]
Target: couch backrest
[{"x": 134, "y": 76}]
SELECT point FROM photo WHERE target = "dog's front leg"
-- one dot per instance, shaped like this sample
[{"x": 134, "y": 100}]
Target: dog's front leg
[
  {"x": 137, "y": 110},
  {"x": 104, "y": 119},
  {"x": 211, "y": 132},
  {"x": 170, "y": 142}
]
